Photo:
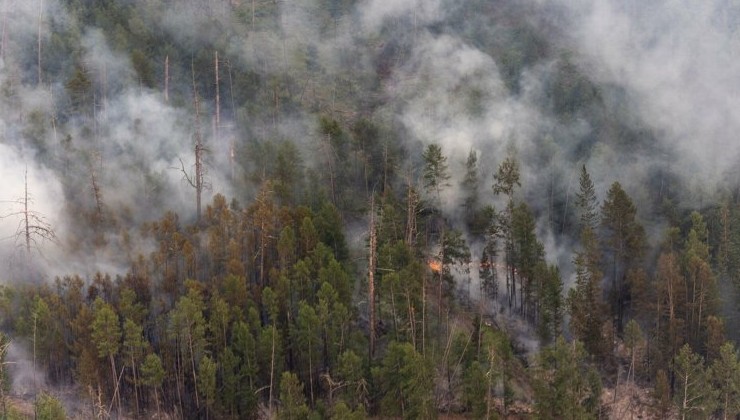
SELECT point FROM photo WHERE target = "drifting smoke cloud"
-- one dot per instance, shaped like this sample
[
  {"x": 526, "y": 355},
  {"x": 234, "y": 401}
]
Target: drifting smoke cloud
[
  {"x": 673, "y": 60},
  {"x": 133, "y": 143},
  {"x": 677, "y": 61}
]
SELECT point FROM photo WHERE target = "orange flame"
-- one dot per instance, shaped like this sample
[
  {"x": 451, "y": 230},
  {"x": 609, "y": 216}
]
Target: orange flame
[{"x": 435, "y": 265}]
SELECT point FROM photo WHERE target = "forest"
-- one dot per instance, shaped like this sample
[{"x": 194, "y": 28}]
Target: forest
[{"x": 350, "y": 209}]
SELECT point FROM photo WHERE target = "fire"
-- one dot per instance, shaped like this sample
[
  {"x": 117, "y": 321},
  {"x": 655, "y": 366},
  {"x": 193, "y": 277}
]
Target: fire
[{"x": 435, "y": 265}]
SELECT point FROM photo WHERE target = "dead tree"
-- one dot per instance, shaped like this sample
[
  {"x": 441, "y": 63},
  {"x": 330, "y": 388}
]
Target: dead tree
[
  {"x": 4, "y": 36},
  {"x": 372, "y": 265},
  {"x": 97, "y": 195},
  {"x": 218, "y": 100},
  {"x": 167, "y": 78},
  {"x": 412, "y": 203},
  {"x": 41, "y": 15},
  {"x": 4, "y": 345},
  {"x": 32, "y": 229},
  {"x": 197, "y": 180}
]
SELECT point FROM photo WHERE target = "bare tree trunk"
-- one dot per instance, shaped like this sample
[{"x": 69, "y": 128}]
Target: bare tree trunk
[
  {"x": 423, "y": 313},
  {"x": 35, "y": 319},
  {"x": 197, "y": 183},
  {"x": 41, "y": 11},
  {"x": 116, "y": 395},
  {"x": 192, "y": 365},
  {"x": 310, "y": 370},
  {"x": 272, "y": 367},
  {"x": 167, "y": 78},
  {"x": 412, "y": 319},
  {"x": 156, "y": 401},
  {"x": 371, "y": 276},
  {"x": 26, "y": 215},
  {"x": 232, "y": 146},
  {"x": 411, "y": 202},
  {"x": 3, "y": 37},
  {"x": 136, "y": 389},
  {"x": 97, "y": 195},
  {"x": 218, "y": 100}
]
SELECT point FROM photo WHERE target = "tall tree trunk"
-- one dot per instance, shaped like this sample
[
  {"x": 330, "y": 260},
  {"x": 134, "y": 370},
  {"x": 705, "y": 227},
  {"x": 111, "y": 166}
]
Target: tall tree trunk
[
  {"x": 116, "y": 395},
  {"x": 26, "y": 215},
  {"x": 136, "y": 389},
  {"x": 218, "y": 100},
  {"x": 272, "y": 368},
  {"x": 192, "y": 365},
  {"x": 167, "y": 79},
  {"x": 371, "y": 277},
  {"x": 41, "y": 13}
]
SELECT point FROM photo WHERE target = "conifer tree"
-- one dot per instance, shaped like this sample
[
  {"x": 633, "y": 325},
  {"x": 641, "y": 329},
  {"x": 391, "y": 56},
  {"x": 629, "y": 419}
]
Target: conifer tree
[
  {"x": 586, "y": 202},
  {"x": 106, "y": 333},
  {"x": 623, "y": 241},
  {"x": 694, "y": 395},
  {"x": 725, "y": 376},
  {"x": 506, "y": 179},
  {"x": 436, "y": 174},
  {"x": 585, "y": 304}
]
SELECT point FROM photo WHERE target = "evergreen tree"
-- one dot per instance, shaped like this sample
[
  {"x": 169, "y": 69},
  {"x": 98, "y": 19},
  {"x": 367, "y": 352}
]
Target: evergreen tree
[
  {"x": 585, "y": 304},
  {"x": 701, "y": 283},
  {"x": 632, "y": 339},
  {"x": 694, "y": 395},
  {"x": 506, "y": 179},
  {"x": 565, "y": 384},
  {"x": 471, "y": 188},
  {"x": 623, "y": 241},
  {"x": 436, "y": 174},
  {"x": 292, "y": 398},
  {"x": 405, "y": 380},
  {"x": 586, "y": 202},
  {"x": 106, "y": 334},
  {"x": 724, "y": 374}
]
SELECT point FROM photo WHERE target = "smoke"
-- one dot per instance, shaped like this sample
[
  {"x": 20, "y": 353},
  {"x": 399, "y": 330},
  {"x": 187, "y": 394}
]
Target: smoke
[
  {"x": 26, "y": 378},
  {"x": 677, "y": 63},
  {"x": 470, "y": 77}
]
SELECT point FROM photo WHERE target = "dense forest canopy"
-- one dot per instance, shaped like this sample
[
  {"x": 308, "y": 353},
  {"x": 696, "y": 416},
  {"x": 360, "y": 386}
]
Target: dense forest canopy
[{"x": 369, "y": 208}]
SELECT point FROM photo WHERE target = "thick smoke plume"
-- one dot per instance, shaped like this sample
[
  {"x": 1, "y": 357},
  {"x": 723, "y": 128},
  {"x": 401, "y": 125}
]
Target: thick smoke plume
[{"x": 663, "y": 72}]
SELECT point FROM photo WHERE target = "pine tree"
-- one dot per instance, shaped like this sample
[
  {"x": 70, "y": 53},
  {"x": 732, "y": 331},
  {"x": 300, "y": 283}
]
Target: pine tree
[
  {"x": 506, "y": 179},
  {"x": 701, "y": 283},
  {"x": 565, "y": 385},
  {"x": 624, "y": 242},
  {"x": 694, "y": 395},
  {"x": 106, "y": 333},
  {"x": 152, "y": 375},
  {"x": 585, "y": 304},
  {"x": 436, "y": 174},
  {"x": 471, "y": 186},
  {"x": 586, "y": 202},
  {"x": 725, "y": 376},
  {"x": 632, "y": 339}
]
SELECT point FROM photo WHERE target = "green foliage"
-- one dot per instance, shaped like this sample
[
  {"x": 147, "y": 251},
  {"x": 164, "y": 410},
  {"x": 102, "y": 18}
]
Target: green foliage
[
  {"x": 48, "y": 407},
  {"x": 106, "y": 331},
  {"x": 565, "y": 383},
  {"x": 436, "y": 174},
  {"x": 724, "y": 374},
  {"x": 292, "y": 399},
  {"x": 152, "y": 371},
  {"x": 586, "y": 201},
  {"x": 507, "y": 177},
  {"x": 207, "y": 369},
  {"x": 623, "y": 240},
  {"x": 404, "y": 380},
  {"x": 342, "y": 412},
  {"x": 662, "y": 395},
  {"x": 693, "y": 396}
]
